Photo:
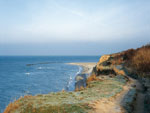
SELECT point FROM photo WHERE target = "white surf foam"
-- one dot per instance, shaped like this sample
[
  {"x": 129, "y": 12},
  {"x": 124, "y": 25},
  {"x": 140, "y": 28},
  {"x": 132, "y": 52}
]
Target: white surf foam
[
  {"x": 39, "y": 67},
  {"x": 71, "y": 81},
  {"x": 27, "y": 73}
]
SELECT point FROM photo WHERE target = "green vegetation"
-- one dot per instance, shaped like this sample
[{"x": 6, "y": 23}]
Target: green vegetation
[{"x": 69, "y": 102}]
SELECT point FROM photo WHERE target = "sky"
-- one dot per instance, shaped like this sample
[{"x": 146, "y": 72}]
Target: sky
[{"x": 73, "y": 27}]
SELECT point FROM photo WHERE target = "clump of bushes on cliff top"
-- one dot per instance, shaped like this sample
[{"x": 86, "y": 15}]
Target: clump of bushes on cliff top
[
  {"x": 138, "y": 59},
  {"x": 141, "y": 59}
]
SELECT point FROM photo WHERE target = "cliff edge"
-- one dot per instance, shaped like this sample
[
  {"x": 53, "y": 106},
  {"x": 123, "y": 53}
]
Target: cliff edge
[
  {"x": 113, "y": 86},
  {"x": 134, "y": 65}
]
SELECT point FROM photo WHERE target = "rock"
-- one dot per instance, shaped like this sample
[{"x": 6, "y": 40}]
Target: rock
[
  {"x": 104, "y": 58},
  {"x": 119, "y": 71},
  {"x": 80, "y": 82},
  {"x": 106, "y": 67},
  {"x": 79, "y": 78}
]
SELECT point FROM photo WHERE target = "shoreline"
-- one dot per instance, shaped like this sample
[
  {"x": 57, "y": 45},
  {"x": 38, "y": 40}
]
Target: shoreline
[
  {"x": 76, "y": 100},
  {"x": 113, "y": 90},
  {"x": 81, "y": 78},
  {"x": 86, "y": 66}
]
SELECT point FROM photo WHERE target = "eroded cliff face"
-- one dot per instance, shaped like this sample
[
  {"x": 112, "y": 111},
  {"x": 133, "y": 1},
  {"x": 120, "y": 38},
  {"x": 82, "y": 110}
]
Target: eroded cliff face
[
  {"x": 135, "y": 62},
  {"x": 108, "y": 65}
]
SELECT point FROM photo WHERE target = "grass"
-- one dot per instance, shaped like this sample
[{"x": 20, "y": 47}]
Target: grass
[
  {"x": 65, "y": 108},
  {"x": 138, "y": 59},
  {"x": 68, "y": 102},
  {"x": 141, "y": 59}
]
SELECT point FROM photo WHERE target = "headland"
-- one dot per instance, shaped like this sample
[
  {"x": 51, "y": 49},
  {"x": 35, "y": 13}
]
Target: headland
[{"x": 118, "y": 83}]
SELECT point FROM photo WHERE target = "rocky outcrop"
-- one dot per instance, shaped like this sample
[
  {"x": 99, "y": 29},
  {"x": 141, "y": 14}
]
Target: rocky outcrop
[
  {"x": 108, "y": 66},
  {"x": 80, "y": 82}
]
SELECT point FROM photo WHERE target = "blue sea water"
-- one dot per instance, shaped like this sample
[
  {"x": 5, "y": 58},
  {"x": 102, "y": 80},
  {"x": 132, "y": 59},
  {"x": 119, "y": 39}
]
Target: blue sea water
[{"x": 31, "y": 75}]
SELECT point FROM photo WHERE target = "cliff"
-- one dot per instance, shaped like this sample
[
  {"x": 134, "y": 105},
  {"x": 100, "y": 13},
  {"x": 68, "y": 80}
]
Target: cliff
[
  {"x": 110, "y": 88},
  {"x": 81, "y": 101},
  {"x": 69, "y": 102},
  {"x": 134, "y": 63}
]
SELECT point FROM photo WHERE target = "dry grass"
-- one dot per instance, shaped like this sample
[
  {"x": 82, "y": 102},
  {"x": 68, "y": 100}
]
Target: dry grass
[
  {"x": 141, "y": 60},
  {"x": 117, "y": 61},
  {"x": 12, "y": 107},
  {"x": 92, "y": 78},
  {"x": 138, "y": 59},
  {"x": 15, "y": 105},
  {"x": 68, "y": 102}
]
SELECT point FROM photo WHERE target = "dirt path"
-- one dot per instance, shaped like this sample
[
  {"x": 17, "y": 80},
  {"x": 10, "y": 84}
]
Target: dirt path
[
  {"x": 114, "y": 104},
  {"x": 139, "y": 104}
]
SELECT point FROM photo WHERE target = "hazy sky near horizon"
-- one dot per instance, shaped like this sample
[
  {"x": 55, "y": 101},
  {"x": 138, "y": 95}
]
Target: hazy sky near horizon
[{"x": 72, "y": 27}]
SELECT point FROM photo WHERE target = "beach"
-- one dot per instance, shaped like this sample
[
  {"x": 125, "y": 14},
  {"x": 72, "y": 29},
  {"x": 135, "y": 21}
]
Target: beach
[{"x": 87, "y": 66}]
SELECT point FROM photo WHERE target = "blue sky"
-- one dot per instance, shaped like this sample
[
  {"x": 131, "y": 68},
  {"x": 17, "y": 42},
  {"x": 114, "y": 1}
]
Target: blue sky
[{"x": 72, "y": 27}]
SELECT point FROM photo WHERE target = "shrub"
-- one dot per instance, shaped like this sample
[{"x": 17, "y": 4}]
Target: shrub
[
  {"x": 92, "y": 78},
  {"x": 141, "y": 60},
  {"x": 138, "y": 59}
]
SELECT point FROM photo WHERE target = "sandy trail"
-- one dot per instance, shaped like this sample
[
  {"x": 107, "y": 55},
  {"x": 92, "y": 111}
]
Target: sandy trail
[{"x": 114, "y": 104}]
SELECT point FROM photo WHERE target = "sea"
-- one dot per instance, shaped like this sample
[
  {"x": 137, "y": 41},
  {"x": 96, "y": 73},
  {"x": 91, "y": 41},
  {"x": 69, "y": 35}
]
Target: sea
[{"x": 32, "y": 75}]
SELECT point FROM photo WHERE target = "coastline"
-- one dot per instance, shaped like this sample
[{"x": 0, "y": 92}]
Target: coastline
[
  {"x": 113, "y": 90},
  {"x": 75, "y": 101},
  {"x": 81, "y": 78},
  {"x": 86, "y": 66}
]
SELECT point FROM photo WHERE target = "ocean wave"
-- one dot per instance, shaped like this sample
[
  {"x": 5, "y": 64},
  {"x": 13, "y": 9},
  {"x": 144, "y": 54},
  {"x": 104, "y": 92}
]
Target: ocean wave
[
  {"x": 71, "y": 81},
  {"x": 80, "y": 70},
  {"x": 27, "y": 73},
  {"x": 39, "y": 67}
]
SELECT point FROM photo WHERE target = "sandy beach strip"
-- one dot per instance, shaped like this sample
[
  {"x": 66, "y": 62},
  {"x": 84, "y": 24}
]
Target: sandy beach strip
[{"x": 87, "y": 66}]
